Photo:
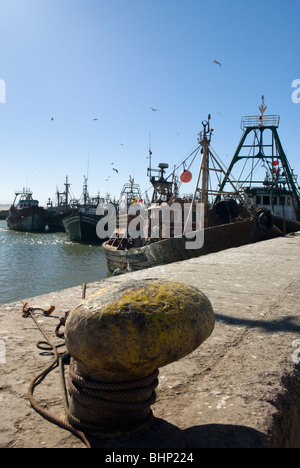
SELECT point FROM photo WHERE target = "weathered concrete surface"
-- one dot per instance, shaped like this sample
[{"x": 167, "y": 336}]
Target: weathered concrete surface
[{"x": 241, "y": 388}]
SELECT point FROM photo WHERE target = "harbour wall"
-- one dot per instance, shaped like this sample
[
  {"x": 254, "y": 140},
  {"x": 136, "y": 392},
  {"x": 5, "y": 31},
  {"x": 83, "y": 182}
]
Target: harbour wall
[{"x": 241, "y": 388}]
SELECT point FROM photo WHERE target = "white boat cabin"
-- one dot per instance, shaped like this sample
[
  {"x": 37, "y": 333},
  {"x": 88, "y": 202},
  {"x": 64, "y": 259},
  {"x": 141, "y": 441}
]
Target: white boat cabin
[
  {"x": 25, "y": 200},
  {"x": 278, "y": 202},
  {"x": 27, "y": 204}
]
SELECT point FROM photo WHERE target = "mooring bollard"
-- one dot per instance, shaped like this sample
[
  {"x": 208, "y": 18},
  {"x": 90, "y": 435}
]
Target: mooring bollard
[{"x": 119, "y": 337}]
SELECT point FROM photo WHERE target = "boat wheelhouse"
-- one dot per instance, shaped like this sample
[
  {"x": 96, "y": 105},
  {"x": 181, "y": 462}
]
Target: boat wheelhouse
[
  {"x": 278, "y": 201},
  {"x": 27, "y": 203}
]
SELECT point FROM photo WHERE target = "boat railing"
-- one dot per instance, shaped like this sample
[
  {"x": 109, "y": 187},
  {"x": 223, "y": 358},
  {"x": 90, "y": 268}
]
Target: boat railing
[{"x": 254, "y": 121}]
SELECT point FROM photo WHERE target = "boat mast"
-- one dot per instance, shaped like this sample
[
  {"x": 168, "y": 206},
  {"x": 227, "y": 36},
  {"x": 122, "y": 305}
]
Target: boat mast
[
  {"x": 85, "y": 191},
  {"x": 67, "y": 185},
  {"x": 85, "y": 185},
  {"x": 204, "y": 140},
  {"x": 262, "y": 109},
  {"x": 150, "y": 156}
]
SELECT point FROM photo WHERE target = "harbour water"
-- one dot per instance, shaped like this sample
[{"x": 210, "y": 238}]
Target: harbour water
[{"x": 32, "y": 264}]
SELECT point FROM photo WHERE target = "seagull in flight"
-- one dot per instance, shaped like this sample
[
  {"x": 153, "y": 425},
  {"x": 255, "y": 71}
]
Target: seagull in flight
[
  {"x": 217, "y": 63},
  {"x": 114, "y": 169}
]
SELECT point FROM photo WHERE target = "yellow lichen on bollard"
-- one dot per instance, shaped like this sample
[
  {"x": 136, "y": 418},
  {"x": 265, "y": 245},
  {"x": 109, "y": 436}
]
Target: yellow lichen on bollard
[{"x": 127, "y": 330}]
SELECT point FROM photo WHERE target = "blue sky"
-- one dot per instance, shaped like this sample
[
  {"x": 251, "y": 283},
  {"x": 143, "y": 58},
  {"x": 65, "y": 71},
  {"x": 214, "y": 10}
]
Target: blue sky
[{"x": 111, "y": 60}]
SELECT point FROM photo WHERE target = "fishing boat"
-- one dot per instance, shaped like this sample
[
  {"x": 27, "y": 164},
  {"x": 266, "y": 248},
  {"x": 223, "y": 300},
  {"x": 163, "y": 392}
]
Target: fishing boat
[
  {"x": 263, "y": 170},
  {"x": 25, "y": 214},
  {"x": 130, "y": 196},
  {"x": 60, "y": 209},
  {"x": 130, "y": 193},
  {"x": 227, "y": 222},
  {"x": 81, "y": 224}
]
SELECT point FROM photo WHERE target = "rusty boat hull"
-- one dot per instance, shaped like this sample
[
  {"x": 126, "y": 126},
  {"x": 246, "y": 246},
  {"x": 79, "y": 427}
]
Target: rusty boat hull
[
  {"x": 32, "y": 219},
  {"x": 172, "y": 250}
]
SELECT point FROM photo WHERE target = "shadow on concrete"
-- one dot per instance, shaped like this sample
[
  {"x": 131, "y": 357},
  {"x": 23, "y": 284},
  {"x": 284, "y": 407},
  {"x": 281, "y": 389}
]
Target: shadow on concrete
[
  {"x": 287, "y": 324},
  {"x": 163, "y": 435}
]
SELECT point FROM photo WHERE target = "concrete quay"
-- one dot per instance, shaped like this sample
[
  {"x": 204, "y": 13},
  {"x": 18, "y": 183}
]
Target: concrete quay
[{"x": 241, "y": 388}]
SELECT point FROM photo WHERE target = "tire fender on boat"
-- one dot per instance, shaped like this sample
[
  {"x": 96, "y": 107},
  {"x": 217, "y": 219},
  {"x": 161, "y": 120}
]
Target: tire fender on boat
[{"x": 264, "y": 219}]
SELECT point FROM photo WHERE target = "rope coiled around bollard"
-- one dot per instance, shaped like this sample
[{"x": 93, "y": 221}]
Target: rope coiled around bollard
[
  {"x": 100, "y": 394},
  {"x": 112, "y": 395}
]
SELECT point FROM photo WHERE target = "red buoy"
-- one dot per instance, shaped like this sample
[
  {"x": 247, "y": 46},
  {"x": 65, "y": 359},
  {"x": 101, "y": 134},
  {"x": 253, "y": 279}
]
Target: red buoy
[{"x": 186, "y": 176}]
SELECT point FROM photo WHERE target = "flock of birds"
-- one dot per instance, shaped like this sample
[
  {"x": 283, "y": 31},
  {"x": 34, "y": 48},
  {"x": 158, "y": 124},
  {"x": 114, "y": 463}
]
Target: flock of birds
[
  {"x": 153, "y": 109},
  {"x": 95, "y": 119}
]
